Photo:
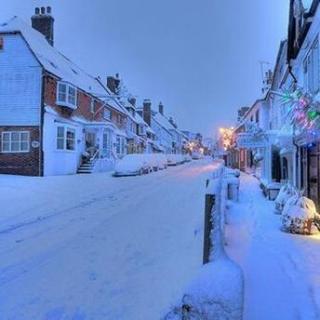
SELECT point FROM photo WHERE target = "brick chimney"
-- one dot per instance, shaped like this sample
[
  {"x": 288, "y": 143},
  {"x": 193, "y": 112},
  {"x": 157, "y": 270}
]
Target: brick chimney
[
  {"x": 161, "y": 108},
  {"x": 113, "y": 83},
  {"x": 133, "y": 101},
  {"x": 147, "y": 111},
  {"x": 173, "y": 123},
  {"x": 43, "y": 21}
]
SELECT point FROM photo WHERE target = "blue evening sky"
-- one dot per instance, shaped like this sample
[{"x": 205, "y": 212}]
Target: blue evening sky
[{"x": 200, "y": 58}]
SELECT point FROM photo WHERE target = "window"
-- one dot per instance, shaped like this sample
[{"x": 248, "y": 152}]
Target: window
[
  {"x": 70, "y": 141},
  {"x": 92, "y": 106},
  {"x": 257, "y": 116},
  {"x": 121, "y": 145},
  {"x": 1, "y": 43},
  {"x": 15, "y": 142},
  {"x": 67, "y": 95},
  {"x": 311, "y": 69},
  {"x": 107, "y": 114},
  {"x": 66, "y": 138}
]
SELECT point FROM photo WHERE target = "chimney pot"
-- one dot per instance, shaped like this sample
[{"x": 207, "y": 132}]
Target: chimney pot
[
  {"x": 49, "y": 10},
  {"x": 161, "y": 108},
  {"x": 44, "y": 23}
]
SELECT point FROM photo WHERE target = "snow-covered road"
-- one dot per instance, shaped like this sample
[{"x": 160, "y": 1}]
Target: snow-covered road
[
  {"x": 97, "y": 247},
  {"x": 282, "y": 271}
]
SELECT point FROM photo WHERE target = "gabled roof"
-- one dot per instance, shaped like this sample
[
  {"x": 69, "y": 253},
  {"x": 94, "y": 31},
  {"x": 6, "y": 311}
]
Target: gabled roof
[{"x": 55, "y": 62}]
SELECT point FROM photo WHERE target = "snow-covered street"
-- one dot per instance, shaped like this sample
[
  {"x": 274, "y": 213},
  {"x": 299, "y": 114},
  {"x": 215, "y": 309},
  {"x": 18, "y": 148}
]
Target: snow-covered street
[
  {"x": 98, "y": 247},
  {"x": 282, "y": 274}
]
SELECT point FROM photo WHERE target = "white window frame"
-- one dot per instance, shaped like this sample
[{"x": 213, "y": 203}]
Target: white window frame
[
  {"x": 65, "y": 138},
  {"x": 92, "y": 105},
  {"x": 20, "y": 141},
  {"x": 106, "y": 112},
  {"x": 70, "y": 96},
  {"x": 121, "y": 145}
]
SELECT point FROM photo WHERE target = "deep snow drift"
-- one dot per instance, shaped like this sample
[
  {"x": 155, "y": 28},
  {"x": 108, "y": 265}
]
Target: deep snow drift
[
  {"x": 282, "y": 271},
  {"x": 97, "y": 247}
]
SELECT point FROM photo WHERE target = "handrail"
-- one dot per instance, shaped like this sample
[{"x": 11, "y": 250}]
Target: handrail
[{"x": 95, "y": 155}]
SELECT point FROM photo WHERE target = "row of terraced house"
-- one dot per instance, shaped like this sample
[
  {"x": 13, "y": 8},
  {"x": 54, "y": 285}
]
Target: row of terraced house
[
  {"x": 268, "y": 141},
  {"x": 55, "y": 117}
]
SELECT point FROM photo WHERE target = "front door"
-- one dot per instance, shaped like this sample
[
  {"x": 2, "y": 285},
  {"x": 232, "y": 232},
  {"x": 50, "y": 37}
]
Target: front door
[{"x": 313, "y": 174}]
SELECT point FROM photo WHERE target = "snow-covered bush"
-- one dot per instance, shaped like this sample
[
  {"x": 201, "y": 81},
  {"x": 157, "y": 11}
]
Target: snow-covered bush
[
  {"x": 217, "y": 293},
  {"x": 285, "y": 193},
  {"x": 299, "y": 214}
]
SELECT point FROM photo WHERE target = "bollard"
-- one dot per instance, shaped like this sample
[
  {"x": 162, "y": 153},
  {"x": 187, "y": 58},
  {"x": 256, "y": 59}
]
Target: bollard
[{"x": 210, "y": 200}]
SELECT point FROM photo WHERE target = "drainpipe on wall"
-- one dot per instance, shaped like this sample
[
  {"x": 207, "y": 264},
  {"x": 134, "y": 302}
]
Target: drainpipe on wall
[{"x": 41, "y": 168}]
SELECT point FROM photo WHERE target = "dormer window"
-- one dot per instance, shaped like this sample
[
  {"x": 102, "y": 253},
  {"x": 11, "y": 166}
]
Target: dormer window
[{"x": 66, "y": 95}]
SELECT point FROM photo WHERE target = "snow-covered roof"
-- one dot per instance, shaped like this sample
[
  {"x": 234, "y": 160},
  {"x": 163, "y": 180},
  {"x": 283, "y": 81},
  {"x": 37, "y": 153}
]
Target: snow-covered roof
[{"x": 55, "y": 62}]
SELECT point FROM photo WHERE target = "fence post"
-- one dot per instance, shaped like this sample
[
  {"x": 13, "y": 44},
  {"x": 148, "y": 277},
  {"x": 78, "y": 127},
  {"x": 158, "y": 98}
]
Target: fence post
[{"x": 210, "y": 200}]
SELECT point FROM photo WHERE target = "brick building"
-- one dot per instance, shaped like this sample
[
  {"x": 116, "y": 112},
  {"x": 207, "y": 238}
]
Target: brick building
[{"x": 54, "y": 117}]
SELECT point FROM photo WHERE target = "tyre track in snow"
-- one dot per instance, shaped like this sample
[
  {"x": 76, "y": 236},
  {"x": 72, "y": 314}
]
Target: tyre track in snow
[{"x": 77, "y": 224}]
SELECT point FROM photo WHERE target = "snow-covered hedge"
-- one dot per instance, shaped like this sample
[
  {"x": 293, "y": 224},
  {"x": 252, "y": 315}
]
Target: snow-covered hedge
[{"x": 299, "y": 214}]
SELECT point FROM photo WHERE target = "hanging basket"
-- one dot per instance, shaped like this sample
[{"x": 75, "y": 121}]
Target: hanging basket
[{"x": 299, "y": 215}]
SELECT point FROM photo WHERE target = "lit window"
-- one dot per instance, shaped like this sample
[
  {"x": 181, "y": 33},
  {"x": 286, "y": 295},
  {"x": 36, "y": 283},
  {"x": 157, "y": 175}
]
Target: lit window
[
  {"x": 15, "y": 142},
  {"x": 67, "y": 95}
]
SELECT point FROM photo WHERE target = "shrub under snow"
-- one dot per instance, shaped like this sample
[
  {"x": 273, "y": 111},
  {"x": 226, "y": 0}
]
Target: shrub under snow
[
  {"x": 299, "y": 214},
  {"x": 285, "y": 193}
]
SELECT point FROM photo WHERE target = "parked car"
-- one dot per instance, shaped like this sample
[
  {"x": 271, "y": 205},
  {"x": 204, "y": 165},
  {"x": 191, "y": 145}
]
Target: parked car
[
  {"x": 187, "y": 158},
  {"x": 172, "y": 160},
  {"x": 196, "y": 156},
  {"x": 152, "y": 161},
  {"x": 162, "y": 161},
  {"x": 180, "y": 159},
  {"x": 131, "y": 165}
]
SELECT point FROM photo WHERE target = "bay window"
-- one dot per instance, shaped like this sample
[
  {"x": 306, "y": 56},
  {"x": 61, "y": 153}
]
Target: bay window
[
  {"x": 15, "y": 142},
  {"x": 67, "y": 95}
]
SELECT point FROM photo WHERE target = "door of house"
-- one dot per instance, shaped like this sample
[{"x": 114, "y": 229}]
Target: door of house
[
  {"x": 106, "y": 144},
  {"x": 313, "y": 174}
]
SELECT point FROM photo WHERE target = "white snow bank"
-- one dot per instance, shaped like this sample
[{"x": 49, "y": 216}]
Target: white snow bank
[
  {"x": 217, "y": 293},
  {"x": 218, "y": 290}
]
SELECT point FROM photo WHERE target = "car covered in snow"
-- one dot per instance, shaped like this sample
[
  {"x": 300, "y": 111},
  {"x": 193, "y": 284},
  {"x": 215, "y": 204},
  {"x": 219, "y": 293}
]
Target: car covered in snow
[
  {"x": 187, "y": 158},
  {"x": 152, "y": 161},
  {"x": 196, "y": 156},
  {"x": 162, "y": 161},
  {"x": 175, "y": 159},
  {"x": 131, "y": 165}
]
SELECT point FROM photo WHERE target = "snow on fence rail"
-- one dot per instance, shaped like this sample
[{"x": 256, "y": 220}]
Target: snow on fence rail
[{"x": 218, "y": 291}]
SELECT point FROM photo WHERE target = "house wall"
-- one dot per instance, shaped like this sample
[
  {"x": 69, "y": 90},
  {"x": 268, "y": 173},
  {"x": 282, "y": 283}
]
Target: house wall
[
  {"x": 60, "y": 162},
  {"x": 28, "y": 163},
  {"x": 164, "y": 137},
  {"x": 20, "y": 84},
  {"x": 20, "y": 104}
]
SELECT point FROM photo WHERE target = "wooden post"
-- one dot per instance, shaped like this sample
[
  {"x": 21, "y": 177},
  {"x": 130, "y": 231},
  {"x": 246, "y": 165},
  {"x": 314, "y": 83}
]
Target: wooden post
[{"x": 210, "y": 200}]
